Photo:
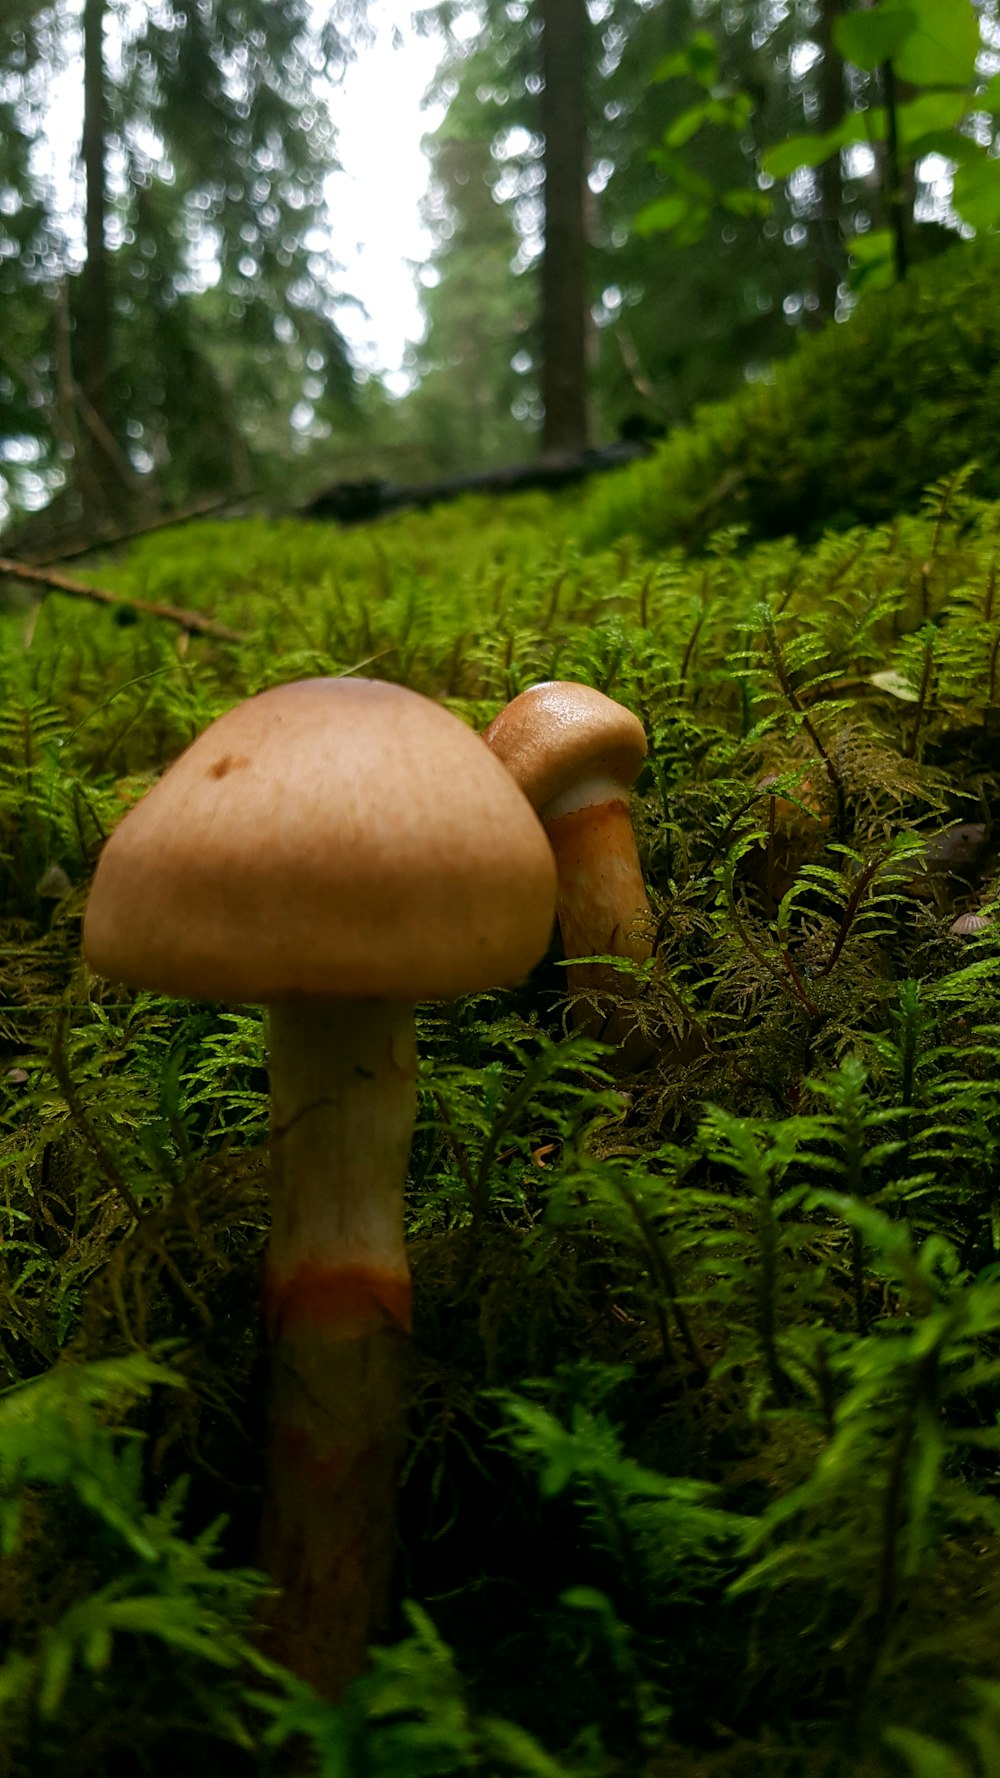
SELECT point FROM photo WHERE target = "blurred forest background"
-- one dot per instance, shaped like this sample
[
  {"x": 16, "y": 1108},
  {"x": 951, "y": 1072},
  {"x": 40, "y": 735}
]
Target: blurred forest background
[{"x": 722, "y": 176}]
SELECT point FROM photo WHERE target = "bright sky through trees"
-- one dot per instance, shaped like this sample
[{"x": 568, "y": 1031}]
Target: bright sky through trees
[{"x": 374, "y": 200}]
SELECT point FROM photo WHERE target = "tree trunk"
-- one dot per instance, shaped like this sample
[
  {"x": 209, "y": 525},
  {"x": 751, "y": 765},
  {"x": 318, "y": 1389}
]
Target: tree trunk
[
  {"x": 101, "y": 463},
  {"x": 565, "y": 26},
  {"x": 828, "y": 242},
  {"x": 93, "y": 329},
  {"x": 897, "y": 200}
]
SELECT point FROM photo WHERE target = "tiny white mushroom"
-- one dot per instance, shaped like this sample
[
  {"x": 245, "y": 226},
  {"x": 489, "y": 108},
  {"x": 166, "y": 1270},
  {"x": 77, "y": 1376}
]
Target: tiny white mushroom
[{"x": 967, "y": 925}]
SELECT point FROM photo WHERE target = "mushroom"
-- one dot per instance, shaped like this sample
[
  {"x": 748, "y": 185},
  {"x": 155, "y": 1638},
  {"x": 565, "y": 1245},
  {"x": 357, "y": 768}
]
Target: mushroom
[
  {"x": 967, "y": 925},
  {"x": 576, "y": 753},
  {"x": 337, "y": 849},
  {"x": 795, "y": 833}
]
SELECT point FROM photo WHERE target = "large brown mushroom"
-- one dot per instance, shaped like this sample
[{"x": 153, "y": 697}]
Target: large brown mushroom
[
  {"x": 337, "y": 849},
  {"x": 576, "y": 753}
]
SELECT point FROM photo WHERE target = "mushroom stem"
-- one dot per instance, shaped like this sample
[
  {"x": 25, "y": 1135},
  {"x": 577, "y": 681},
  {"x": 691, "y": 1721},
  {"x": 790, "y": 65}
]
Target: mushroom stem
[
  {"x": 601, "y": 907},
  {"x": 337, "y": 1303}
]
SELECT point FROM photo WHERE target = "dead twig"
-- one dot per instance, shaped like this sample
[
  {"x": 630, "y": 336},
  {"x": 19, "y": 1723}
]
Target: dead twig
[
  {"x": 61, "y": 583},
  {"x": 182, "y": 515}
]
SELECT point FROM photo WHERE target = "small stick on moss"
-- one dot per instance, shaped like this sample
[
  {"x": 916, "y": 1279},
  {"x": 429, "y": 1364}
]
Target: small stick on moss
[
  {"x": 992, "y": 688},
  {"x": 689, "y": 650},
  {"x": 853, "y": 902},
  {"x": 990, "y": 594},
  {"x": 644, "y": 602},
  {"x": 61, "y": 583},
  {"x": 909, "y": 749},
  {"x": 792, "y": 697},
  {"x": 794, "y": 984}
]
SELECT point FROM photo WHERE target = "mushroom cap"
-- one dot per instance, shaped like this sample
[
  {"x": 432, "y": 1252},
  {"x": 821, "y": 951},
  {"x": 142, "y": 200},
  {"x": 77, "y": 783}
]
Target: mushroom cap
[
  {"x": 333, "y": 837},
  {"x": 557, "y": 734}
]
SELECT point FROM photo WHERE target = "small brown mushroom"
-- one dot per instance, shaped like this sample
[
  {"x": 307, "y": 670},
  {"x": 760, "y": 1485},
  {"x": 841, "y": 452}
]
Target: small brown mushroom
[
  {"x": 795, "y": 832},
  {"x": 337, "y": 849},
  {"x": 576, "y": 753}
]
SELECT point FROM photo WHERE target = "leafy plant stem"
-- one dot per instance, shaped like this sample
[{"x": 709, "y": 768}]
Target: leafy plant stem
[
  {"x": 689, "y": 650},
  {"x": 858, "y": 1281},
  {"x": 893, "y": 182},
  {"x": 793, "y": 984},
  {"x": 767, "y": 1238},
  {"x": 618, "y": 1537},
  {"x": 112, "y": 1173},
  {"x": 665, "y": 1272},
  {"x": 909, "y": 749},
  {"x": 792, "y": 698},
  {"x": 470, "y": 1182},
  {"x": 850, "y": 910},
  {"x": 992, "y": 683},
  {"x": 922, "y": 1392},
  {"x": 990, "y": 594}
]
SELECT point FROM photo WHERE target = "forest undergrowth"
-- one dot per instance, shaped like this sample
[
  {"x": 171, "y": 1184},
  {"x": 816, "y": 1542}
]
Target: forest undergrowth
[{"x": 702, "y": 1469}]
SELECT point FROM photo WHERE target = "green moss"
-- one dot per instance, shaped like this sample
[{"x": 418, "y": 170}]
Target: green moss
[
  {"x": 702, "y": 1469},
  {"x": 847, "y": 431}
]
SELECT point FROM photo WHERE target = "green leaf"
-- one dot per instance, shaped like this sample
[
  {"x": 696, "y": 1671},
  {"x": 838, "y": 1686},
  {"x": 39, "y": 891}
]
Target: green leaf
[
  {"x": 675, "y": 167},
  {"x": 868, "y": 38},
  {"x": 797, "y": 151},
  {"x": 951, "y": 144},
  {"x": 730, "y": 113},
  {"x": 976, "y": 193},
  {"x": 812, "y": 151},
  {"x": 958, "y": 985},
  {"x": 698, "y": 60},
  {"x": 989, "y": 98},
  {"x": 689, "y": 123},
  {"x": 896, "y": 684},
  {"x": 931, "y": 112},
  {"x": 926, "y": 1758},
  {"x": 942, "y": 47},
  {"x": 929, "y": 42},
  {"x": 746, "y": 203},
  {"x": 874, "y": 259},
  {"x": 663, "y": 215}
]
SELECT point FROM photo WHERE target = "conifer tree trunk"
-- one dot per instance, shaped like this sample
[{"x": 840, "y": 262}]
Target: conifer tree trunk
[
  {"x": 564, "y": 267},
  {"x": 828, "y": 254},
  {"x": 101, "y": 464},
  {"x": 93, "y": 319}
]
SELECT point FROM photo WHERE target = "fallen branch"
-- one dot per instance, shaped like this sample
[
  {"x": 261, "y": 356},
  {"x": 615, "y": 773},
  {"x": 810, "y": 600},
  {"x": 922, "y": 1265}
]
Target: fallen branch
[
  {"x": 199, "y": 509},
  {"x": 61, "y": 583}
]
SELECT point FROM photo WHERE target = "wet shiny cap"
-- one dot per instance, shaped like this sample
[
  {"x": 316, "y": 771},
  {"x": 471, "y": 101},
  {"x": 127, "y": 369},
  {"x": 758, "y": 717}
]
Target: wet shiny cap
[
  {"x": 557, "y": 737},
  {"x": 334, "y": 837}
]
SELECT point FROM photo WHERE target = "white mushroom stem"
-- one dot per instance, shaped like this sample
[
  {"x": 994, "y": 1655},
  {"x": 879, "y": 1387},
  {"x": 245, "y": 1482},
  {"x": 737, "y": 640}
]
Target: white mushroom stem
[
  {"x": 601, "y": 904},
  {"x": 337, "y": 1301}
]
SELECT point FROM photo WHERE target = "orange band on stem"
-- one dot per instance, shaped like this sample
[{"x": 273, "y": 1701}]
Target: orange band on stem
[{"x": 329, "y": 1295}]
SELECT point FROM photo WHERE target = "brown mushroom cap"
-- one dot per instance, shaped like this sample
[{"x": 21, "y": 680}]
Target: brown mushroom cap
[
  {"x": 557, "y": 733},
  {"x": 334, "y": 837}
]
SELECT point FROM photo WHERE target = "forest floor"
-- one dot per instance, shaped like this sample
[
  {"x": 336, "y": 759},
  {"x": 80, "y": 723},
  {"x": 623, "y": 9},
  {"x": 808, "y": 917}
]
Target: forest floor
[{"x": 701, "y": 1474}]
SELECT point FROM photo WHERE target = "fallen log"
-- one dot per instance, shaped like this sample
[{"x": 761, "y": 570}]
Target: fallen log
[{"x": 352, "y": 503}]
